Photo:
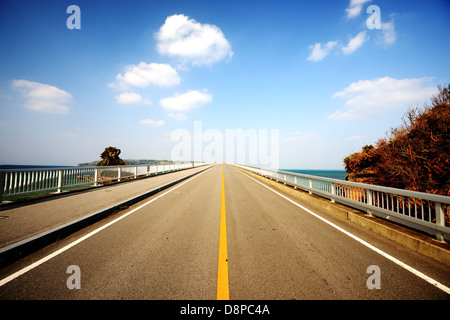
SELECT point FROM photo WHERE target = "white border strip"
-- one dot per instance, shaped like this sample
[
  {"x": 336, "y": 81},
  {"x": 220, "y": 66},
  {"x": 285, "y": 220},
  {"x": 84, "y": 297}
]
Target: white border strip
[
  {"x": 72, "y": 244},
  {"x": 368, "y": 245}
]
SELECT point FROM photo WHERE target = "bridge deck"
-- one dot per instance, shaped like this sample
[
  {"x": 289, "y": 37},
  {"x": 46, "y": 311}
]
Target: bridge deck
[
  {"x": 167, "y": 247},
  {"x": 25, "y": 221}
]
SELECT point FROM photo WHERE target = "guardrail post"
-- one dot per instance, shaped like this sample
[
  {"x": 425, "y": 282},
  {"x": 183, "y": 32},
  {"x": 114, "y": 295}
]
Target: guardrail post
[
  {"x": 369, "y": 202},
  {"x": 135, "y": 172},
  {"x": 2, "y": 185},
  {"x": 310, "y": 185},
  {"x": 60, "y": 179},
  {"x": 295, "y": 181},
  {"x": 95, "y": 177},
  {"x": 333, "y": 192},
  {"x": 119, "y": 174},
  {"x": 440, "y": 220}
]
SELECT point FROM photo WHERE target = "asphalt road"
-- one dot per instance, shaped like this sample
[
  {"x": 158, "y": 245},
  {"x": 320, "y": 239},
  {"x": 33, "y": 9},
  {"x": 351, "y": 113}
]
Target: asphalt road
[
  {"x": 28, "y": 220},
  {"x": 167, "y": 247}
]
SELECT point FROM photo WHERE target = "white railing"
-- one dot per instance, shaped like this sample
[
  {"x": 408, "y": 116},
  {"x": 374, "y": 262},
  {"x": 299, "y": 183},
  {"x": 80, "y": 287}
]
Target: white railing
[
  {"x": 27, "y": 181},
  {"x": 422, "y": 211}
]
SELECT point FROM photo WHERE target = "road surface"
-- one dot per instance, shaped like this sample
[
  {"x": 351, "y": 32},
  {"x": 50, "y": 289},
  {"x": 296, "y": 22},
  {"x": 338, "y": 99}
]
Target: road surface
[{"x": 167, "y": 247}]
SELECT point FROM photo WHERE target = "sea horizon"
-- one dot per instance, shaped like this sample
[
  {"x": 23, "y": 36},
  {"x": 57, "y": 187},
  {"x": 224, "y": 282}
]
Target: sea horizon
[
  {"x": 327, "y": 173},
  {"x": 25, "y": 166}
]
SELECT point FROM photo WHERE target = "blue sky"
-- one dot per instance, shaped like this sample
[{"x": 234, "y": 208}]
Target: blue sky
[{"x": 137, "y": 71}]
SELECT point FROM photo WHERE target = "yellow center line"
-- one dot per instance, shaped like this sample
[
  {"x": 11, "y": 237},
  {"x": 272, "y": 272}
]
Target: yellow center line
[{"x": 222, "y": 274}]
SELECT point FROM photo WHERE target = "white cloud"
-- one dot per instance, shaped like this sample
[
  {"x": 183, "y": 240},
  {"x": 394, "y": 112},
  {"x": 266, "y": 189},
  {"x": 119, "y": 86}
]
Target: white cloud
[
  {"x": 191, "y": 41},
  {"x": 186, "y": 101},
  {"x": 318, "y": 52},
  {"x": 355, "y": 43},
  {"x": 43, "y": 97},
  {"x": 177, "y": 116},
  {"x": 388, "y": 31},
  {"x": 152, "y": 123},
  {"x": 373, "y": 97},
  {"x": 144, "y": 75},
  {"x": 131, "y": 98},
  {"x": 355, "y": 8}
]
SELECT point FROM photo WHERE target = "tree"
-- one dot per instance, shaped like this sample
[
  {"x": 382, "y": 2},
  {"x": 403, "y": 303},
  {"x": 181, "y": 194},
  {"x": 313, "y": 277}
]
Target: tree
[
  {"x": 414, "y": 156},
  {"x": 110, "y": 157},
  {"x": 359, "y": 165}
]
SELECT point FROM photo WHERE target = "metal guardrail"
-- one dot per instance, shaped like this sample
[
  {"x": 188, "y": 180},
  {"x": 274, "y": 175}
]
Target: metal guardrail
[
  {"x": 418, "y": 210},
  {"x": 26, "y": 181}
]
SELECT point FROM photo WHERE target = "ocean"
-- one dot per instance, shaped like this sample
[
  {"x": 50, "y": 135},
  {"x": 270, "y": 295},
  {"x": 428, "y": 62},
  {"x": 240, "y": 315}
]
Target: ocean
[{"x": 334, "y": 174}]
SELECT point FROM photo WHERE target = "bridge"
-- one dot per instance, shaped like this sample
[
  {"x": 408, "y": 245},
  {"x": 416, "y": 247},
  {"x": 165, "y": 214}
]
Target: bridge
[{"x": 219, "y": 232}]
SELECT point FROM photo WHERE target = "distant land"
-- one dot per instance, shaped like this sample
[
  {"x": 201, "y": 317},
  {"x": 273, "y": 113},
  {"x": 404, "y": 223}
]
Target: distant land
[
  {"x": 85, "y": 164},
  {"x": 132, "y": 162}
]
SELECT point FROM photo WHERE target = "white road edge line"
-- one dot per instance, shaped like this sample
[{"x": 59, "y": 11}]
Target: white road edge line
[
  {"x": 72, "y": 244},
  {"x": 368, "y": 245}
]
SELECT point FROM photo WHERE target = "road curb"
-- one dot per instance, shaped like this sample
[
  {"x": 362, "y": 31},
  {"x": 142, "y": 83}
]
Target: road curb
[
  {"x": 20, "y": 249},
  {"x": 409, "y": 238}
]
